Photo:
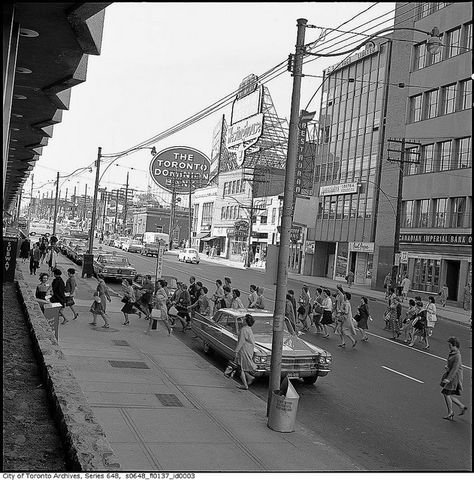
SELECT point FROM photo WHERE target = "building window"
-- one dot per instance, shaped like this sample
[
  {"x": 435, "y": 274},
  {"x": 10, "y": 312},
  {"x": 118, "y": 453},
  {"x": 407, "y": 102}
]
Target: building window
[
  {"x": 423, "y": 213},
  {"x": 419, "y": 55},
  {"x": 424, "y": 9},
  {"x": 264, "y": 219},
  {"x": 427, "y": 158},
  {"x": 408, "y": 208},
  {"x": 440, "y": 212},
  {"x": 411, "y": 157},
  {"x": 449, "y": 99},
  {"x": 467, "y": 41},
  {"x": 222, "y": 213},
  {"x": 415, "y": 108},
  {"x": 464, "y": 153},
  {"x": 432, "y": 104},
  {"x": 465, "y": 94},
  {"x": 458, "y": 209},
  {"x": 317, "y": 173},
  {"x": 445, "y": 155},
  {"x": 453, "y": 42}
]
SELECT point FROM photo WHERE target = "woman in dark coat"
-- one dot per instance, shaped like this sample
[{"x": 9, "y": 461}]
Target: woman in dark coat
[
  {"x": 452, "y": 379},
  {"x": 25, "y": 250},
  {"x": 362, "y": 318},
  {"x": 59, "y": 289}
]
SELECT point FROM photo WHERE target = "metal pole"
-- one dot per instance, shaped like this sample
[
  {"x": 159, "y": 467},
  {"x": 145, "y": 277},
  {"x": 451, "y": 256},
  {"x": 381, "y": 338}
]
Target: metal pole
[
  {"x": 18, "y": 207},
  {"x": 172, "y": 210},
  {"x": 125, "y": 206},
  {"x": 106, "y": 195},
  {"x": 84, "y": 216},
  {"x": 190, "y": 214},
  {"x": 249, "y": 238},
  {"x": 56, "y": 205},
  {"x": 31, "y": 201},
  {"x": 94, "y": 202},
  {"x": 116, "y": 211},
  {"x": 287, "y": 217},
  {"x": 396, "y": 242}
]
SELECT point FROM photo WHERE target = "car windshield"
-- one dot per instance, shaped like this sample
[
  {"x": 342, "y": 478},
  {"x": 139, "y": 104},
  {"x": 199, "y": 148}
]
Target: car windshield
[
  {"x": 116, "y": 260},
  {"x": 152, "y": 245},
  {"x": 263, "y": 324}
]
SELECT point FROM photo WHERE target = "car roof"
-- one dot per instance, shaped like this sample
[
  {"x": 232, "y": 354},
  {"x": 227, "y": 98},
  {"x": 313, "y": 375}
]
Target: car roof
[{"x": 243, "y": 311}]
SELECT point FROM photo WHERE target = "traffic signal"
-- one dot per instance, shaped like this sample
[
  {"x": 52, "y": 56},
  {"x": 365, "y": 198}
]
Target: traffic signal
[{"x": 291, "y": 62}]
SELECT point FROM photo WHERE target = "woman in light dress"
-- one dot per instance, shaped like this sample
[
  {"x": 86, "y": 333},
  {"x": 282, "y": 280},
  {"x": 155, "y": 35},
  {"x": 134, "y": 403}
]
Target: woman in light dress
[
  {"x": 346, "y": 323},
  {"x": 244, "y": 353},
  {"x": 431, "y": 318}
]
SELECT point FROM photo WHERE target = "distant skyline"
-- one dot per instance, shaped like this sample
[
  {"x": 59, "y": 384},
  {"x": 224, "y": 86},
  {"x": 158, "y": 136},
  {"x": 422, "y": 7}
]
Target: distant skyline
[{"x": 161, "y": 63}]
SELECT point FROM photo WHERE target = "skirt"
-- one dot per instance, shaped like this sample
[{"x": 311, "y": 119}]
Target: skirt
[
  {"x": 448, "y": 391},
  {"x": 327, "y": 318},
  {"x": 128, "y": 308}
]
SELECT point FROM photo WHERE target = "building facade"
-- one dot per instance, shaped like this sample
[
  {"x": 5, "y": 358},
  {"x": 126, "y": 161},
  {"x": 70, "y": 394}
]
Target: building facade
[
  {"x": 436, "y": 226},
  {"x": 362, "y": 106}
]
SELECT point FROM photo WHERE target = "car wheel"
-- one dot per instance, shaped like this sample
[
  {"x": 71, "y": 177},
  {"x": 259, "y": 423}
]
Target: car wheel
[{"x": 310, "y": 380}]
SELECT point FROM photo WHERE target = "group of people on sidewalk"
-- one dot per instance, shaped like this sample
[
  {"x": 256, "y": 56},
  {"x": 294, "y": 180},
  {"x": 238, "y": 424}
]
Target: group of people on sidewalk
[{"x": 41, "y": 252}]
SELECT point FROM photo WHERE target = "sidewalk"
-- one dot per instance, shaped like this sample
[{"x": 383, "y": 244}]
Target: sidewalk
[
  {"x": 448, "y": 312},
  {"x": 163, "y": 407}
]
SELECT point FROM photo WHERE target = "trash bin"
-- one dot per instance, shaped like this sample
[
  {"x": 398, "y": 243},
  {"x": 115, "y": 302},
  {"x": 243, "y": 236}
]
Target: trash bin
[
  {"x": 283, "y": 407},
  {"x": 51, "y": 312}
]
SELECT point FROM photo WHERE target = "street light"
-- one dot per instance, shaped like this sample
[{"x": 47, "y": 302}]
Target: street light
[{"x": 287, "y": 211}]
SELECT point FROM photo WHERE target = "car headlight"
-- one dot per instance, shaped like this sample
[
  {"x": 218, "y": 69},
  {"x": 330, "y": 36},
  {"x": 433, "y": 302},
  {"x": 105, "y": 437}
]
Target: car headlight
[{"x": 260, "y": 359}]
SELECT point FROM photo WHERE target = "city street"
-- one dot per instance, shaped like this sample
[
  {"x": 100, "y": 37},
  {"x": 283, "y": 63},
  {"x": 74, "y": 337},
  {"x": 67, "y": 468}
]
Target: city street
[{"x": 381, "y": 404}]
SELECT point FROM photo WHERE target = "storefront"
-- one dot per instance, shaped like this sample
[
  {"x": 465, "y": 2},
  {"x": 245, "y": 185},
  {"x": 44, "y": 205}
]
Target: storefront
[
  {"x": 361, "y": 259},
  {"x": 434, "y": 261}
]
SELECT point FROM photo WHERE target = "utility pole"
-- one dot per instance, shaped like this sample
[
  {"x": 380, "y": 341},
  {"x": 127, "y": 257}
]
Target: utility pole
[
  {"x": 104, "y": 213},
  {"x": 287, "y": 216},
  {"x": 402, "y": 160},
  {"x": 249, "y": 237},
  {"x": 94, "y": 202},
  {"x": 116, "y": 211},
  {"x": 125, "y": 206},
  {"x": 172, "y": 209},
  {"x": 56, "y": 205},
  {"x": 84, "y": 216},
  {"x": 31, "y": 201}
]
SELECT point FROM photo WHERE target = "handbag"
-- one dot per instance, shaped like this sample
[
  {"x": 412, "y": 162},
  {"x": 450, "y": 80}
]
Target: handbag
[
  {"x": 173, "y": 311},
  {"x": 441, "y": 383},
  {"x": 231, "y": 369},
  {"x": 69, "y": 302}
]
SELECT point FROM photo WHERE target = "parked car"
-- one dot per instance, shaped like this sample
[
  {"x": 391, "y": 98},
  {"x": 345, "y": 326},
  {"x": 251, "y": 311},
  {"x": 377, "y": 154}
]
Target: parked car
[
  {"x": 301, "y": 359},
  {"x": 118, "y": 242},
  {"x": 188, "y": 255},
  {"x": 114, "y": 266},
  {"x": 77, "y": 252},
  {"x": 151, "y": 249},
  {"x": 134, "y": 246}
]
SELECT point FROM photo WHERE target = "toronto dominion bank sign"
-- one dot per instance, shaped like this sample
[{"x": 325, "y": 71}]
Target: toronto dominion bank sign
[{"x": 174, "y": 167}]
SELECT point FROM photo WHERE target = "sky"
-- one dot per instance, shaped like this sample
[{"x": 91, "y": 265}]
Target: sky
[{"x": 160, "y": 63}]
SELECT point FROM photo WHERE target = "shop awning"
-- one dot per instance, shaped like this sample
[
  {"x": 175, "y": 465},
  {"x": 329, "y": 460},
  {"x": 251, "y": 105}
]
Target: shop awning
[
  {"x": 208, "y": 239},
  {"x": 202, "y": 235}
]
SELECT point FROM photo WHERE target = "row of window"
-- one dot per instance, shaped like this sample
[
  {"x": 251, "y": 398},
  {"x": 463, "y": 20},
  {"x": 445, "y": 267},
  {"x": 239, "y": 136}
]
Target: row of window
[
  {"x": 441, "y": 101},
  {"x": 345, "y": 206},
  {"x": 452, "y": 212},
  {"x": 426, "y": 275},
  {"x": 427, "y": 8},
  {"x": 455, "y": 42},
  {"x": 230, "y": 212},
  {"x": 235, "y": 186},
  {"x": 207, "y": 209},
  {"x": 357, "y": 167},
  {"x": 440, "y": 156}
]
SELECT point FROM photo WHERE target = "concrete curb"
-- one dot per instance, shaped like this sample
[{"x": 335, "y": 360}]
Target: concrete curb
[{"x": 84, "y": 439}]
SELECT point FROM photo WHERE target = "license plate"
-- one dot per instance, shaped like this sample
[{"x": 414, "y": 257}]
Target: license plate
[{"x": 293, "y": 375}]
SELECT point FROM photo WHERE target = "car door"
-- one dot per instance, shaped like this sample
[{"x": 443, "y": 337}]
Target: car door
[{"x": 227, "y": 335}]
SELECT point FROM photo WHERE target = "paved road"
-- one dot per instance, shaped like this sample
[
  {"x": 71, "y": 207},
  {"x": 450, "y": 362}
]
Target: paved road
[{"x": 382, "y": 403}]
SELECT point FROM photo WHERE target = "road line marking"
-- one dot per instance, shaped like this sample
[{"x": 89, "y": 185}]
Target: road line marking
[
  {"x": 413, "y": 349},
  {"x": 402, "y": 374}
]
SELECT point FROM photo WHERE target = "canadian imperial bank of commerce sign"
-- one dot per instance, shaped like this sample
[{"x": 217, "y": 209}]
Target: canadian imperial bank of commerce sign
[{"x": 174, "y": 167}]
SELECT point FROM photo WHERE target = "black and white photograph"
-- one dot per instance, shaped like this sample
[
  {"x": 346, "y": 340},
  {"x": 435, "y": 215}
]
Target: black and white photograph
[{"x": 237, "y": 239}]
